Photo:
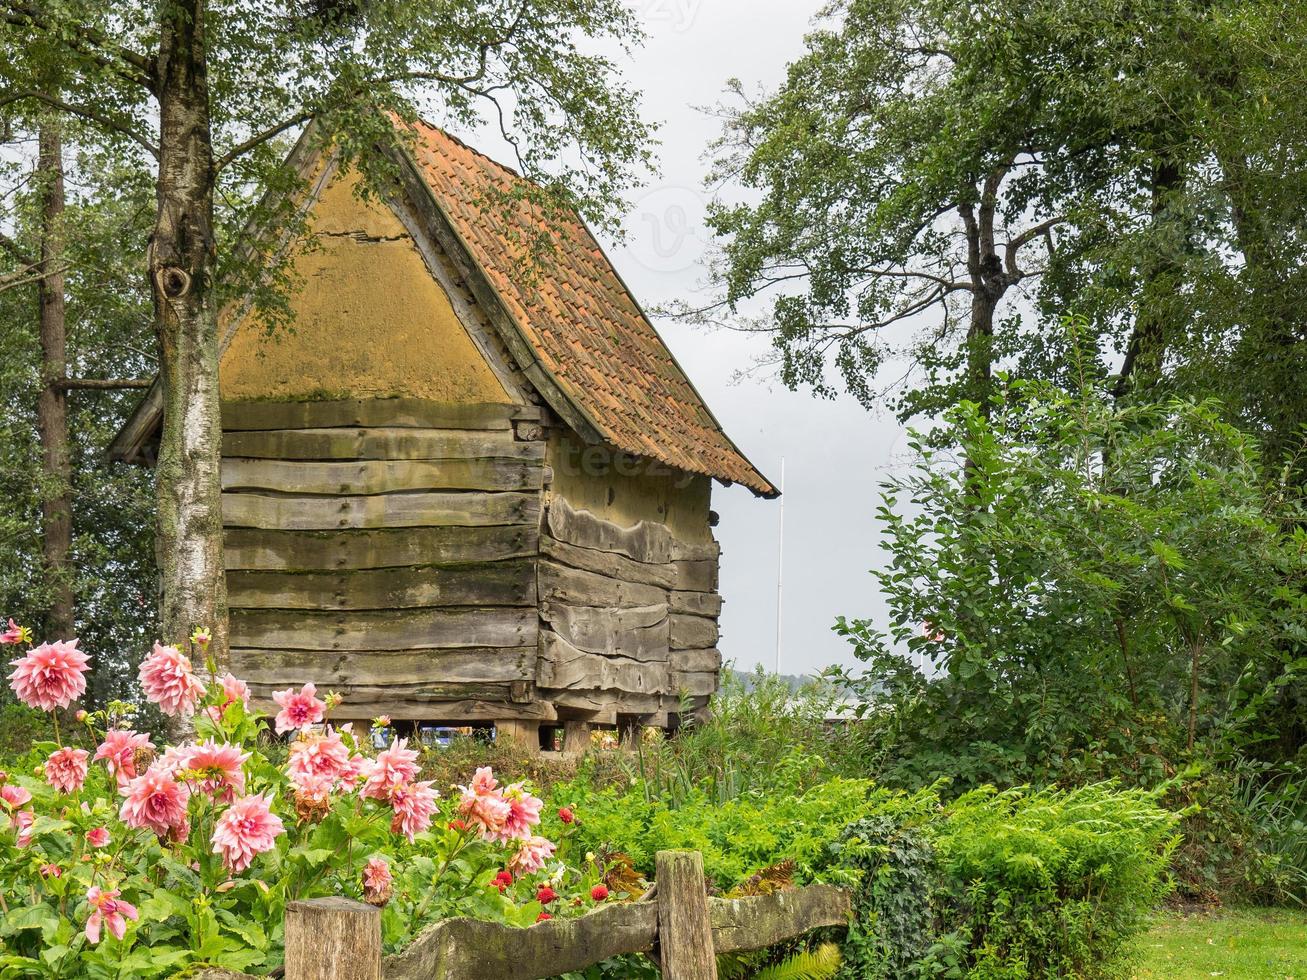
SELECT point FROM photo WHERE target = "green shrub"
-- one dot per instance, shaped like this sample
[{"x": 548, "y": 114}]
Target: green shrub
[
  {"x": 739, "y": 836},
  {"x": 1010, "y": 885},
  {"x": 1007, "y": 886}
]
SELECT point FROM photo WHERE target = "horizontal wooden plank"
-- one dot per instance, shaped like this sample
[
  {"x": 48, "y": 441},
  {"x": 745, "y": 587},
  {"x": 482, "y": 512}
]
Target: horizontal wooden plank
[
  {"x": 454, "y": 711},
  {"x": 696, "y": 551},
  {"x": 422, "y": 629},
  {"x": 563, "y": 666},
  {"x": 695, "y": 661},
  {"x": 638, "y": 632},
  {"x": 416, "y": 412},
  {"x": 603, "y": 707},
  {"x": 695, "y": 682},
  {"x": 465, "y": 509},
  {"x": 692, "y": 632},
  {"x": 695, "y": 576},
  {"x": 582, "y": 588},
  {"x": 606, "y": 563},
  {"x": 274, "y": 550},
  {"x": 506, "y": 583},
  {"x": 379, "y": 443},
  {"x": 472, "y": 949},
  {"x": 385, "y": 668},
  {"x": 647, "y": 541},
  {"x": 696, "y": 603},
  {"x": 765, "y": 920},
  {"x": 380, "y": 476}
]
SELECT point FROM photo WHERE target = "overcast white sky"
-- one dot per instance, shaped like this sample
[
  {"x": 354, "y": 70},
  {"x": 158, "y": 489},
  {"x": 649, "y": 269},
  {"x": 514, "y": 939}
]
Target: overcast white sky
[{"x": 835, "y": 451}]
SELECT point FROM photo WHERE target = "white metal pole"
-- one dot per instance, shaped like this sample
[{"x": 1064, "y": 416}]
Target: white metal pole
[{"x": 780, "y": 568}]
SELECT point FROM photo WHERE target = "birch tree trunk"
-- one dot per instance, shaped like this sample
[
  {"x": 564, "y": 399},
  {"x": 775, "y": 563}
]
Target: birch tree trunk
[
  {"x": 181, "y": 257},
  {"x": 52, "y": 403}
]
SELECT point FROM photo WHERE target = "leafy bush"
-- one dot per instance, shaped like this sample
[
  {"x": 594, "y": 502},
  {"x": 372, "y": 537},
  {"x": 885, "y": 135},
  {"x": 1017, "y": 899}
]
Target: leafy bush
[{"x": 1008, "y": 885}]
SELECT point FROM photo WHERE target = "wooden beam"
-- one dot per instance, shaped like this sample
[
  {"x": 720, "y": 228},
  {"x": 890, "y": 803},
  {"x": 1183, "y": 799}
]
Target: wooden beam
[
  {"x": 695, "y": 661},
  {"x": 385, "y": 668},
  {"x": 424, "y": 629},
  {"x": 692, "y": 632},
  {"x": 695, "y": 576},
  {"x": 275, "y": 550},
  {"x": 369, "y": 703},
  {"x": 380, "y": 476},
  {"x": 407, "y": 412},
  {"x": 383, "y": 510},
  {"x": 562, "y": 666},
  {"x": 695, "y": 603},
  {"x": 638, "y": 632},
  {"x": 607, "y": 563},
  {"x": 646, "y": 541},
  {"x": 578, "y": 587},
  {"x": 504, "y": 583},
  {"x": 756, "y": 923},
  {"x": 379, "y": 443}
]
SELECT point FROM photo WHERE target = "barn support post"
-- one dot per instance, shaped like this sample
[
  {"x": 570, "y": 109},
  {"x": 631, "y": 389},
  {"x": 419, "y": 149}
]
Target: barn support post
[
  {"x": 332, "y": 939},
  {"x": 576, "y": 738},
  {"x": 526, "y": 734},
  {"x": 685, "y": 939}
]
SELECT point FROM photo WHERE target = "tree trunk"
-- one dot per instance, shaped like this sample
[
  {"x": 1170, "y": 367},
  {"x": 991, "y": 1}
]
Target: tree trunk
[
  {"x": 1153, "y": 329},
  {"x": 189, "y": 542},
  {"x": 1195, "y": 662},
  {"x": 52, "y": 404}
]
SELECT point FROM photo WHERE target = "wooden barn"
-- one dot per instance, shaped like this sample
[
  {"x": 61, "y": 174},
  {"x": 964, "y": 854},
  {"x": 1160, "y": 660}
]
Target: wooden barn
[{"x": 458, "y": 492}]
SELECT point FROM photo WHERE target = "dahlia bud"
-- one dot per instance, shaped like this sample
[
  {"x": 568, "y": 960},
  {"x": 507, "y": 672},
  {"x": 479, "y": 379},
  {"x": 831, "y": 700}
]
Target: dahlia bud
[
  {"x": 81, "y": 716},
  {"x": 333, "y": 700}
]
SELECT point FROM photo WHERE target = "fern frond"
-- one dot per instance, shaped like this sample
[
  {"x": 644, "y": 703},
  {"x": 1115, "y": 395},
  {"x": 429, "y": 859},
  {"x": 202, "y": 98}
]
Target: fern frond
[{"x": 821, "y": 963}]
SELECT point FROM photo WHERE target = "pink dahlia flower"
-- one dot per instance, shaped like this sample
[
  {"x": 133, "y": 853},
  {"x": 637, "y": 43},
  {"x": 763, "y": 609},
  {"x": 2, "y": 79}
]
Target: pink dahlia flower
[
  {"x": 523, "y": 813},
  {"x": 531, "y": 856},
  {"x": 392, "y": 766},
  {"x": 14, "y": 796},
  {"x": 98, "y": 837},
  {"x": 319, "y": 755},
  {"x": 246, "y": 828},
  {"x": 23, "y": 821},
  {"x": 65, "y": 770},
  {"x": 377, "y": 882},
  {"x": 233, "y": 690},
  {"x": 484, "y": 782},
  {"x": 118, "y": 750},
  {"x": 298, "y": 710},
  {"x": 168, "y": 681},
  {"x": 414, "y": 804},
  {"x": 51, "y": 871},
  {"x": 217, "y": 769},
  {"x": 109, "y": 910},
  {"x": 158, "y": 801},
  {"x": 13, "y": 634},
  {"x": 50, "y": 676},
  {"x": 483, "y": 805}
]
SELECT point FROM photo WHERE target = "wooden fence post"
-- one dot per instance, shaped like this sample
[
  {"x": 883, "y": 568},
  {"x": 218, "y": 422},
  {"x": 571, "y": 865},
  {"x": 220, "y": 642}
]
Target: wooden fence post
[
  {"x": 685, "y": 945},
  {"x": 333, "y": 939}
]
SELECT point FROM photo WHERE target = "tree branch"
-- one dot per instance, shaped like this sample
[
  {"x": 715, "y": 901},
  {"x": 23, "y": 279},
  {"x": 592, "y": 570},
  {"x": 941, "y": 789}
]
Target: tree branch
[
  {"x": 101, "y": 384},
  {"x": 10, "y": 98}
]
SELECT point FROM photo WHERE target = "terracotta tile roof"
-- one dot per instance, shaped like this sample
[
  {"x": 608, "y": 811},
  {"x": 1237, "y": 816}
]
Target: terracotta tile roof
[{"x": 586, "y": 330}]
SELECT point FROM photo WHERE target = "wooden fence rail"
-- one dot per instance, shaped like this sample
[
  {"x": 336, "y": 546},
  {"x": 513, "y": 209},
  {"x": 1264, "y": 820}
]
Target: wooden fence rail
[{"x": 676, "y": 924}]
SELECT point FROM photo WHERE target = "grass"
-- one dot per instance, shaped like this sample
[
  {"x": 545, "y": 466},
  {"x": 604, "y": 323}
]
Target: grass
[{"x": 1242, "y": 944}]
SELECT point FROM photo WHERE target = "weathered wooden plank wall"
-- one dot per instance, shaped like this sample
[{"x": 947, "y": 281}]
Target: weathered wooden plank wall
[
  {"x": 628, "y": 617},
  {"x": 386, "y": 549}
]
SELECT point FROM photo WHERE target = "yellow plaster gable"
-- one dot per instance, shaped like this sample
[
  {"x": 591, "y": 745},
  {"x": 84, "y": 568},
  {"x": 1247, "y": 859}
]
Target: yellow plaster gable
[{"x": 370, "y": 321}]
